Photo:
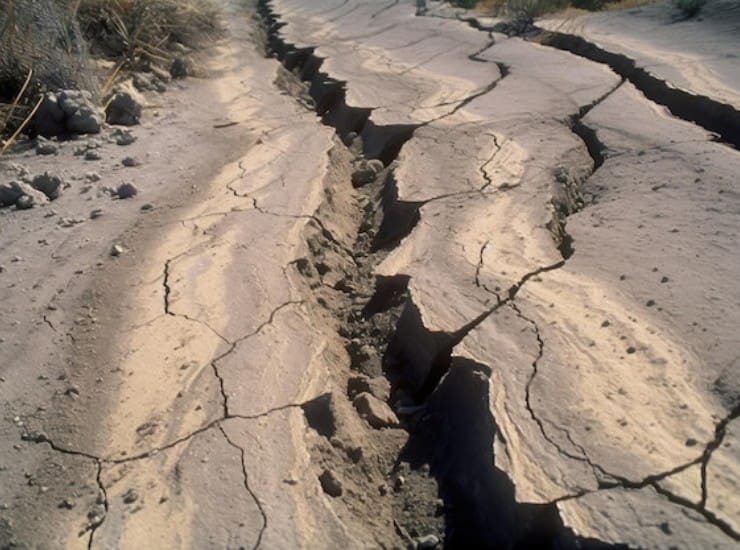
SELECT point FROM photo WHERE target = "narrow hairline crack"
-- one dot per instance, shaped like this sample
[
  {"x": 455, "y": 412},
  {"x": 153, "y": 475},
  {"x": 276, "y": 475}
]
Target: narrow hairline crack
[{"x": 250, "y": 491}]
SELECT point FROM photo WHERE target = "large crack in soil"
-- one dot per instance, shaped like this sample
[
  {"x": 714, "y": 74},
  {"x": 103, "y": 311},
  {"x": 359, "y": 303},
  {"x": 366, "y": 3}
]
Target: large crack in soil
[
  {"x": 712, "y": 115},
  {"x": 469, "y": 514},
  {"x": 528, "y": 524}
]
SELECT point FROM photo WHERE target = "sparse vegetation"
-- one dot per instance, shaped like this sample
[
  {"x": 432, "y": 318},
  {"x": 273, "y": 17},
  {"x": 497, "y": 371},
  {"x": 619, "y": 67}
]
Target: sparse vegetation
[{"x": 47, "y": 44}]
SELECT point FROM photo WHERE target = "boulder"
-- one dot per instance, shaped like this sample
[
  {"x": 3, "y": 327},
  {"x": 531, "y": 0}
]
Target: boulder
[
  {"x": 9, "y": 193},
  {"x": 82, "y": 115},
  {"x": 67, "y": 112},
  {"x": 49, "y": 185},
  {"x": 377, "y": 413},
  {"x": 49, "y": 118},
  {"x": 12, "y": 192},
  {"x": 123, "y": 109}
]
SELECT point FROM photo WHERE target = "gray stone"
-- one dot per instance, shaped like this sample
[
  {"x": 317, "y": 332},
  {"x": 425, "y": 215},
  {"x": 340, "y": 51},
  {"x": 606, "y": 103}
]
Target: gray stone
[
  {"x": 49, "y": 118},
  {"x": 49, "y": 185},
  {"x": 25, "y": 202},
  {"x": 123, "y": 109},
  {"x": 179, "y": 67},
  {"x": 130, "y": 162},
  {"x": 126, "y": 191},
  {"x": 117, "y": 250},
  {"x": 44, "y": 147},
  {"x": 92, "y": 154},
  {"x": 330, "y": 484},
  {"x": 428, "y": 542},
  {"x": 82, "y": 116},
  {"x": 366, "y": 172},
  {"x": 11, "y": 192},
  {"x": 95, "y": 214},
  {"x": 123, "y": 137},
  {"x": 377, "y": 413}
]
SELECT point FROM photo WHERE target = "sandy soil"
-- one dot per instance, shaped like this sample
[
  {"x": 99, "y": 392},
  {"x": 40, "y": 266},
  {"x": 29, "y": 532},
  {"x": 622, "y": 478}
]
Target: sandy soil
[{"x": 516, "y": 328}]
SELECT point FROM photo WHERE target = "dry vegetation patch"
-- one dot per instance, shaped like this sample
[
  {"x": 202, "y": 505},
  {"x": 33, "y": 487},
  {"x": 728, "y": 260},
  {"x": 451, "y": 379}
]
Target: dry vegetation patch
[{"x": 50, "y": 45}]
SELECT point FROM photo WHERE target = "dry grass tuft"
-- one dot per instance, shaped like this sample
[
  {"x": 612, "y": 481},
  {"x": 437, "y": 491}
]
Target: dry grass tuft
[{"x": 146, "y": 30}]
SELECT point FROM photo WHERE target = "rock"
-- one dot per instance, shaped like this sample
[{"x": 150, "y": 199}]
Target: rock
[
  {"x": 130, "y": 496},
  {"x": 49, "y": 185},
  {"x": 11, "y": 192},
  {"x": 130, "y": 162},
  {"x": 378, "y": 387},
  {"x": 45, "y": 147},
  {"x": 92, "y": 154},
  {"x": 330, "y": 484},
  {"x": 117, "y": 250},
  {"x": 143, "y": 82},
  {"x": 126, "y": 191},
  {"x": 123, "y": 137},
  {"x": 123, "y": 109},
  {"x": 49, "y": 119},
  {"x": 366, "y": 171},
  {"x": 25, "y": 202},
  {"x": 377, "y": 413},
  {"x": 82, "y": 116},
  {"x": 92, "y": 177},
  {"x": 95, "y": 214},
  {"x": 428, "y": 542},
  {"x": 179, "y": 67}
]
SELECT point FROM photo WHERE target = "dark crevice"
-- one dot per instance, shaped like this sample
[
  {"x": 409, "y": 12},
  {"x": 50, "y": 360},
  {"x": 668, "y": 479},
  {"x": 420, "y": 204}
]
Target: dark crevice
[
  {"x": 455, "y": 441},
  {"x": 95, "y": 520},
  {"x": 712, "y": 115},
  {"x": 442, "y": 358}
]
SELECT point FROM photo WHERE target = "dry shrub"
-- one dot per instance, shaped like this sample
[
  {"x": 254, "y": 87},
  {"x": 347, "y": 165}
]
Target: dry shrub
[
  {"x": 146, "y": 29},
  {"x": 41, "y": 49}
]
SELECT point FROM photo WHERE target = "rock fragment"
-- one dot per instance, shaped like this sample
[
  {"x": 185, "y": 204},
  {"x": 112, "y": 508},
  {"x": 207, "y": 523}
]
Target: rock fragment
[
  {"x": 123, "y": 109},
  {"x": 366, "y": 171},
  {"x": 49, "y": 185},
  {"x": 11, "y": 193},
  {"x": 126, "y": 191},
  {"x": 428, "y": 542},
  {"x": 123, "y": 137},
  {"x": 46, "y": 147},
  {"x": 82, "y": 116},
  {"x": 179, "y": 67},
  {"x": 330, "y": 484},
  {"x": 377, "y": 413}
]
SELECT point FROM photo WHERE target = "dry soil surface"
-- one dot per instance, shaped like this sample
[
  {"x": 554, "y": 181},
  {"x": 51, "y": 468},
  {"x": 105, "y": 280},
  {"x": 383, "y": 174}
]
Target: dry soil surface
[{"x": 390, "y": 280}]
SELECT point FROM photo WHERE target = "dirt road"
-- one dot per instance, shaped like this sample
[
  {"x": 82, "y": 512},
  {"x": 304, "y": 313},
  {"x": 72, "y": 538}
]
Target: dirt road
[{"x": 403, "y": 281}]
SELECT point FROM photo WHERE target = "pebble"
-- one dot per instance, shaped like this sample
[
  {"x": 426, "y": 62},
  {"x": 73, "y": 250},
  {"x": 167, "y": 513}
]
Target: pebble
[
  {"x": 126, "y": 191},
  {"x": 330, "y": 484},
  {"x": 130, "y": 162},
  {"x": 117, "y": 250},
  {"x": 427, "y": 542},
  {"x": 95, "y": 214},
  {"x": 130, "y": 496},
  {"x": 44, "y": 147},
  {"x": 92, "y": 154}
]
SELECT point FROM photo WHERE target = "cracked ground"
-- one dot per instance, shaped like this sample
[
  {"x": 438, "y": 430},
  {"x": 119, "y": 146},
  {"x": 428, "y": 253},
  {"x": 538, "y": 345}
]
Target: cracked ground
[{"x": 520, "y": 331}]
